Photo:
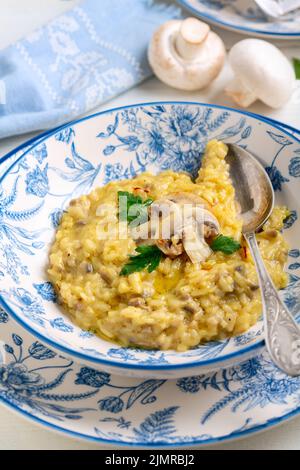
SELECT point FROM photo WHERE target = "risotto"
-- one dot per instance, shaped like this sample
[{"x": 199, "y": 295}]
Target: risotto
[{"x": 179, "y": 303}]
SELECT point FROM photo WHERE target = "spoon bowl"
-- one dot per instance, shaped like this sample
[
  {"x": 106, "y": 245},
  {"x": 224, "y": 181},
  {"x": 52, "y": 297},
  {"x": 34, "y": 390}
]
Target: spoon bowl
[
  {"x": 253, "y": 188},
  {"x": 255, "y": 196}
]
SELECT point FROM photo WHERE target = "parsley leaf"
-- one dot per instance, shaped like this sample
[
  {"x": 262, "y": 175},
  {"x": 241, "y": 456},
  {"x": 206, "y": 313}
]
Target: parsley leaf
[
  {"x": 149, "y": 257},
  {"x": 135, "y": 207},
  {"x": 225, "y": 244},
  {"x": 296, "y": 63}
]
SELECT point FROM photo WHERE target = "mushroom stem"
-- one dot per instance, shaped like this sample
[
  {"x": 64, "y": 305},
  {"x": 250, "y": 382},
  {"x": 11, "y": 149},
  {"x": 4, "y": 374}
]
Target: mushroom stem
[
  {"x": 190, "y": 38},
  {"x": 195, "y": 245},
  {"x": 241, "y": 95}
]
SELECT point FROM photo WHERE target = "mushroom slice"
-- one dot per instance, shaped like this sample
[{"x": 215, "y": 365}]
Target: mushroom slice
[
  {"x": 179, "y": 222},
  {"x": 172, "y": 247},
  {"x": 164, "y": 222},
  {"x": 186, "y": 198},
  {"x": 207, "y": 228},
  {"x": 195, "y": 245},
  {"x": 208, "y": 222},
  {"x": 180, "y": 198}
]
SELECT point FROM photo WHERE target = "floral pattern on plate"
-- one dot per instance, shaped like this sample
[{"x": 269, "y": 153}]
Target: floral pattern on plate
[
  {"x": 121, "y": 144},
  {"x": 81, "y": 401}
]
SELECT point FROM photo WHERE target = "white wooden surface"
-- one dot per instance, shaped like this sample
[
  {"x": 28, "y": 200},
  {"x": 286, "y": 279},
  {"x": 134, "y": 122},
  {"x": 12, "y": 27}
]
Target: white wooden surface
[{"x": 18, "y": 17}]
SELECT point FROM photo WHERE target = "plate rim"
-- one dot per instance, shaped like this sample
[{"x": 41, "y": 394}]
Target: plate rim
[
  {"x": 242, "y": 434},
  {"x": 138, "y": 367},
  {"x": 30, "y": 143},
  {"x": 230, "y": 26}
]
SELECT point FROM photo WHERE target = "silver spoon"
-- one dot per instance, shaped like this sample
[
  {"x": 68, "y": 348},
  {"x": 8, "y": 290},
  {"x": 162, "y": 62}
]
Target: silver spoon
[{"x": 255, "y": 195}]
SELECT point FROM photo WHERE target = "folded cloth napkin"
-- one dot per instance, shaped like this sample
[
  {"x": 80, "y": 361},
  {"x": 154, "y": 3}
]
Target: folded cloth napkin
[{"x": 76, "y": 62}]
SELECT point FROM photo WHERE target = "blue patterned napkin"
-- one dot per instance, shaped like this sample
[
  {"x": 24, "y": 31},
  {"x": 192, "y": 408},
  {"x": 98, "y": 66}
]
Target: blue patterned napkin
[{"x": 76, "y": 62}]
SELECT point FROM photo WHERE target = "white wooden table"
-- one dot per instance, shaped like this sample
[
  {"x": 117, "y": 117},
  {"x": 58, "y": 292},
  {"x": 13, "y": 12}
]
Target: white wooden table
[{"x": 18, "y": 17}]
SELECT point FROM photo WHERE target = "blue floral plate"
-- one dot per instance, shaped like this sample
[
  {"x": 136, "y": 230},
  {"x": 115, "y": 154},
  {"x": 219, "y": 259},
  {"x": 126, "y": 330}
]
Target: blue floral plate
[
  {"x": 91, "y": 404},
  {"x": 87, "y": 403},
  {"x": 37, "y": 184},
  {"x": 244, "y": 16}
]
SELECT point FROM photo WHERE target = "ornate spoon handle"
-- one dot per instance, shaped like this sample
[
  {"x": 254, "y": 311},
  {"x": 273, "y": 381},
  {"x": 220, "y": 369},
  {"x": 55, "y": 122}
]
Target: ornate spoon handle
[{"x": 282, "y": 334}]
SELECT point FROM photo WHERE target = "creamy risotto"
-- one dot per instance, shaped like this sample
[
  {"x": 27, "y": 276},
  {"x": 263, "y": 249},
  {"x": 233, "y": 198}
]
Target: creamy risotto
[{"x": 180, "y": 303}]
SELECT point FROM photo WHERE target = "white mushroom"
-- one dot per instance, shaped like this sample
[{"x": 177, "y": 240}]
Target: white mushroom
[
  {"x": 262, "y": 72},
  {"x": 186, "y": 54},
  {"x": 179, "y": 223}
]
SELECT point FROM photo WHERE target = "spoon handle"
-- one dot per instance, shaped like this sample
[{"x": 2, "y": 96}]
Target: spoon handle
[{"x": 282, "y": 334}]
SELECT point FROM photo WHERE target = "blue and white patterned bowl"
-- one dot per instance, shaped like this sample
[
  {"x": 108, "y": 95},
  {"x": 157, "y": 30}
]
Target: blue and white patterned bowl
[
  {"x": 84, "y": 403},
  {"x": 243, "y": 16},
  {"x": 119, "y": 144}
]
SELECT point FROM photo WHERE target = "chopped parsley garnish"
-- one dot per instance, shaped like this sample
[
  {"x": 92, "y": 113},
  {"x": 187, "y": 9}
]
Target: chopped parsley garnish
[
  {"x": 133, "y": 207},
  {"x": 225, "y": 244},
  {"x": 296, "y": 63},
  {"x": 148, "y": 258}
]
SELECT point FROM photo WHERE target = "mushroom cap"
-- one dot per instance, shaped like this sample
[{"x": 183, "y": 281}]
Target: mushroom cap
[
  {"x": 186, "y": 54},
  {"x": 262, "y": 71}
]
